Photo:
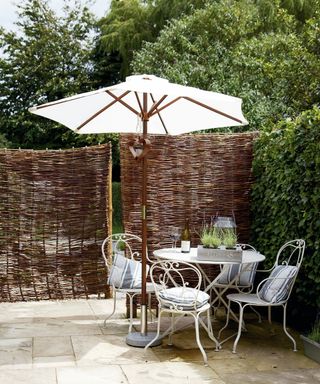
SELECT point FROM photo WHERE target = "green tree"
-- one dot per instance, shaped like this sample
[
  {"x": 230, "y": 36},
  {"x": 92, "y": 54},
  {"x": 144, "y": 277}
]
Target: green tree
[
  {"x": 47, "y": 59},
  {"x": 123, "y": 30},
  {"x": 228, "y": 47},
  {"x": 127, "y": 25},
  {"x": 302, "y": 10}
]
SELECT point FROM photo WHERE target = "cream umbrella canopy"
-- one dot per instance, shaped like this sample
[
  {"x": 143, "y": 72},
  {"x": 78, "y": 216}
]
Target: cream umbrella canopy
[{"x": 144, "y": 104}]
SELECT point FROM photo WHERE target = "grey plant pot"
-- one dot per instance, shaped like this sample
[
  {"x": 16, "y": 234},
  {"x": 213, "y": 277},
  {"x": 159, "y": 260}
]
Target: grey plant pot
[{"x": 311, "y": 348}]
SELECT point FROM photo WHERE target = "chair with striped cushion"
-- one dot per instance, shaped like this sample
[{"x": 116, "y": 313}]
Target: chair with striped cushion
[
  {"x": 274, "y": 290},
  {"x": 119, "y": 252},
  {"x": 238, "y": 277},
  {"x": 177, "y": 287}
]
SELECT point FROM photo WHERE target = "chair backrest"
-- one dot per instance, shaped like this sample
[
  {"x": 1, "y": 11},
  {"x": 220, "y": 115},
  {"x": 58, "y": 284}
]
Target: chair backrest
[
  {"x": 291, "y": 253},
  {"x": 246, "y": 273},
  {"x": 126, "y": 244},
  {"x": 177, "y": 285},
  {"x": 120, "y": 251},
  {"x": 277, "y": 288}
]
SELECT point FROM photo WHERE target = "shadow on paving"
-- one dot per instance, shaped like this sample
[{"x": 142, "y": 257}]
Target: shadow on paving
[{"x": 65, "y": 343}]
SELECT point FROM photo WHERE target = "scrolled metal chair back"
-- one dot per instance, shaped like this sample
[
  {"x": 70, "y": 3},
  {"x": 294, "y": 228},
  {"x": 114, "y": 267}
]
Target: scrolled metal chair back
[
  {"x": 291, "y": 253},
  {"x": 124, "y": 243},
  {"x": 169, "y": 274}
]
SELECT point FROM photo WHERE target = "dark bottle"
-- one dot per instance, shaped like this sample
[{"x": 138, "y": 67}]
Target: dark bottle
[{"x": 185, "y": 238}]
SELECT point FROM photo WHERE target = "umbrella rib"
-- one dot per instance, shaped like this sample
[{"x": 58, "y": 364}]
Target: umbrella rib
[
  {"x": 156, "y": 104},
  {"x": 154, "y": 108},
  {"x": 139, "y": 103},
  {"x": 101, "y": 110},
  {"x": 201, "y": 105},
  {"x": 166, "y": 105},
  {"x": 213, "y": 109},
  {"x": 122, "y": 102}
]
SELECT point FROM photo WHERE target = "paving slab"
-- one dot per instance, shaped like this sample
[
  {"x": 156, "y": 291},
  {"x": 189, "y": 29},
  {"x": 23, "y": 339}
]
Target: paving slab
[
  {"x": 108, "y": 349},
  {"x": 15, "y": 353},
  {"x": 52, "y": 327},
  {"x": 111, "y": 374},
  {"x": 301, "y": 376},
  {"x": 52, "y": 346},
  {"x": 173, "y": 372},
  {"x": 28, "y": 376},
  {"x": 103, "y": 308},
  {"x": 54, "y": 361}
]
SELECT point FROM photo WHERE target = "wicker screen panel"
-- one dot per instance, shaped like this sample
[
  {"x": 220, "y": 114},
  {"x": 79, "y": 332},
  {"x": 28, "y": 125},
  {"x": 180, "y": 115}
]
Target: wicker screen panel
[
  {"x": 53, "y": 218},
  {"x": 189, "y": 176}
]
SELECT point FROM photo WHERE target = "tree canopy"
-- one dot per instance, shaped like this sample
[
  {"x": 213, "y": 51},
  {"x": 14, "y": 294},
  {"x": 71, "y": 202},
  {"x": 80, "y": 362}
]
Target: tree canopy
[
  {"x": 48, "y": 58},
  {"x": 230, "y": 47},
  {"x": 131, "y": 22}
]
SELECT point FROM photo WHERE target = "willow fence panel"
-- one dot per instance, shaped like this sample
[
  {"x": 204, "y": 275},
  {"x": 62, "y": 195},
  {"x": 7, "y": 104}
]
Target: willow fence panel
[
  {"x": 53, "y": 218},
  {"x": 189, "y": 176}
]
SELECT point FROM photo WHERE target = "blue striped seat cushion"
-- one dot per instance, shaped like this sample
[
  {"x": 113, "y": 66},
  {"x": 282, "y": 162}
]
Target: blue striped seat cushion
[
  {"x": 246, "y": 273},
  {"x": 277, "y": 288},
  {"x": 185, "y": 298},
  {"x": 125, "y": 273}
]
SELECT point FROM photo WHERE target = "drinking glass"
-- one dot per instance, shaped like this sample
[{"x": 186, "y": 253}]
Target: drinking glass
[{"x": 174, "y": 236}]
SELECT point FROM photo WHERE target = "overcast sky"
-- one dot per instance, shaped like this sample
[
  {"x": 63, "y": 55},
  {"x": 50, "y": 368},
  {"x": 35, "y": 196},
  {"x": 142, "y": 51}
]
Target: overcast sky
[{"x": 8, "y": 10}]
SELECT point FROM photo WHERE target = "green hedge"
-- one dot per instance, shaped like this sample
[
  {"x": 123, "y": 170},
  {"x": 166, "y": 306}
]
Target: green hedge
[
  {"x": 286, "y": 199},
  {"x": 117, "y": 210}
]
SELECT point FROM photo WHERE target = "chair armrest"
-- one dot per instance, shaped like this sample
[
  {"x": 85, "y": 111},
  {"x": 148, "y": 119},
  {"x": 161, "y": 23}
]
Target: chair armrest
[{"x": 265, "y": 270}]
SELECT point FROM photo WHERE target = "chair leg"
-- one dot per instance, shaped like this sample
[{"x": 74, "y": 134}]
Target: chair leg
[
  {"x": 172, "y": 330},
  {"x": 241, "y": 309},
  {"x": 131, "y": 311},
  {"x": 158, "y": 332},
  {"x": 210, "y": 331},
  {"x": 285, "y": 328},
  {"x": 114, "y": 308},
  {"x": 227, "y": 321},
  {"x": 150, "y": 308},
  {"x": 269, "y": 315},
  {"x": 196, "y": 320}
]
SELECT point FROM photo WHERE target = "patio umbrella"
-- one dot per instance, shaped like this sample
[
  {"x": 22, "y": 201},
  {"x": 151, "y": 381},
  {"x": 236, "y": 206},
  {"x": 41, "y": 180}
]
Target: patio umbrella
[{"x": 144, "y": 104}]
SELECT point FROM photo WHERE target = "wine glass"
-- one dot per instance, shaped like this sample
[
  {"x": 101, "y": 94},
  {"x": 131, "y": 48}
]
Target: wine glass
[{"x": 174, "y": 236}]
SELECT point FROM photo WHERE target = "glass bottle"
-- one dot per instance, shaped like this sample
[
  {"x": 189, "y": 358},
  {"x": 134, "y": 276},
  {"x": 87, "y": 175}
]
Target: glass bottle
[{"x": 185, "y": 238}]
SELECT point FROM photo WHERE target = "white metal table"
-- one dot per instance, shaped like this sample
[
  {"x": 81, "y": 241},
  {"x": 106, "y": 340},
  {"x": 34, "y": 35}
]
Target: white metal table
[{"x": 248, "y": 257}]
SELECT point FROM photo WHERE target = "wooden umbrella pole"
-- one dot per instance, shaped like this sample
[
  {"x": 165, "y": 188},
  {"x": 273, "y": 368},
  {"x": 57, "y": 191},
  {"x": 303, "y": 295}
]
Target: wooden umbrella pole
[
  {"x": 143, "y": 338},
  {"x": 144, "y": 311}
]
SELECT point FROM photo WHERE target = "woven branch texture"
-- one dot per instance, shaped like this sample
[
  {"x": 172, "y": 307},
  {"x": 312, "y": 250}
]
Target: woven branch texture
[
  {"x": 53, "y": 218},
  {"x": 189, "y": 176}
]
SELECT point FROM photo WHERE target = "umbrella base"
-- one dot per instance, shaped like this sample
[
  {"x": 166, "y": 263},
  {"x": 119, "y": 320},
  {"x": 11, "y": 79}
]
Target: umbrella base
[{"x": 140, "y": 340}]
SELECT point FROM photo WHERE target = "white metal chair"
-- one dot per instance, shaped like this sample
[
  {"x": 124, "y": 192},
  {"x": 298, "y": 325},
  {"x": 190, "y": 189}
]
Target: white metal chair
[
  {"x": 239, "y": 277},
  {"x": 274, "y": 290},
  {"x": 172, "y": 282},
  {"x": 124, "y": 271}
]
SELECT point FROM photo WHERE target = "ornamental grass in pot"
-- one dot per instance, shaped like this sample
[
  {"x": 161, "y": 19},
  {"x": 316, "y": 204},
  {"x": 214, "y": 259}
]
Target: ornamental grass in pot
[
  {"x": 311, "y": 342},
  {"x": 210, "y": 237}
]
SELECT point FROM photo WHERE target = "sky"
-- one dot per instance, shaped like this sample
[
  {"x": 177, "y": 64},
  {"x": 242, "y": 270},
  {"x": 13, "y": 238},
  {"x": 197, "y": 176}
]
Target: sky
[{"x": 8, "y": 10}]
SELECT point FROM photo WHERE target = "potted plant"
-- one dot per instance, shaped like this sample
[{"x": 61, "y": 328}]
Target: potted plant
[
  {"x": 210, "y": 237},
  {"x": 311, "y": 342},
  {"x": 218, "y": 244},
  {"x": 229, "y": 238}
]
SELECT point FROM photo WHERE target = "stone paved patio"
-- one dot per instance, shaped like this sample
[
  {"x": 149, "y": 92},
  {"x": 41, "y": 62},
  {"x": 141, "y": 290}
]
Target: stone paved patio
[{"x": 66, "y": 343}]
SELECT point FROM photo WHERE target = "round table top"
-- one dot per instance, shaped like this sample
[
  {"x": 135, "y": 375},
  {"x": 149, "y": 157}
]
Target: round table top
[{"x": 248, "y": 256}]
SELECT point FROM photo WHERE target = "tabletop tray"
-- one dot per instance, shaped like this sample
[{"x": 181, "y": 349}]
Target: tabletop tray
[{"x": 222, "y": 255}]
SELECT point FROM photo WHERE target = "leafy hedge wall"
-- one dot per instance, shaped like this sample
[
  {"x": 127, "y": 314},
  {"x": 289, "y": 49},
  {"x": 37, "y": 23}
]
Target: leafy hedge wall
[{"x": 286, "y": 198}]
